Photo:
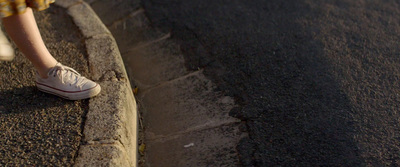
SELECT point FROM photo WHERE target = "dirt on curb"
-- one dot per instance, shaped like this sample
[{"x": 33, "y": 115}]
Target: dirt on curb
[{"x": 39, "y": 129}]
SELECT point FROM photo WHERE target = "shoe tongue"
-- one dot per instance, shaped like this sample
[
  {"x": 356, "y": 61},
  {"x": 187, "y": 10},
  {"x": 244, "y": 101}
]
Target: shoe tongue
[
  {"x": 64, "y": 70},
  {"x": 55, "y": 69}
]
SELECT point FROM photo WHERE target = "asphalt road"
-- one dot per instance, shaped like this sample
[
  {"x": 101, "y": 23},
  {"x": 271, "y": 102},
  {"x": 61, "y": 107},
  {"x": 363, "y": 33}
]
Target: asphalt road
[{"x": 317, "y": 81}]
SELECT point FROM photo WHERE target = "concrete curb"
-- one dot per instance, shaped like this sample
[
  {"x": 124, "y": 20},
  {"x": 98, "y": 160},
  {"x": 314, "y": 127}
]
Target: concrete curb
[{"x": 110, "y": 130}]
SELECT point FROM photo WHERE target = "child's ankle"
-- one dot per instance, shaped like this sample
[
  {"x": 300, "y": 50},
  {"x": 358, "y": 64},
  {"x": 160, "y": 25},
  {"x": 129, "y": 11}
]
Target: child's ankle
[
  {"x": 43, "y": 72},
  {"x": 44, "y": 76}
]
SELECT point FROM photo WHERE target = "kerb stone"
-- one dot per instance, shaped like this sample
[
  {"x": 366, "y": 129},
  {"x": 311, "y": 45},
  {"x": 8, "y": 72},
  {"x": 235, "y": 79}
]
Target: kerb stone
[
  {"x": 89, "y": 1},
  {"x": 87, "y": 21},
  {"x": 112, "y": 116},
  {"x": 102, "y": 155},
  {"x": 110, "y": 131},
  {"x": 104, "y": 57},
  {"x": 67, "y": 3},
  {"x": 113, "y": 10}
]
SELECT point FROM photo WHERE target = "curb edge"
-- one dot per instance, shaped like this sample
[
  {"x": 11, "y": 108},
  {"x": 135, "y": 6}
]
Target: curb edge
[{"x": 112, "y": 139}]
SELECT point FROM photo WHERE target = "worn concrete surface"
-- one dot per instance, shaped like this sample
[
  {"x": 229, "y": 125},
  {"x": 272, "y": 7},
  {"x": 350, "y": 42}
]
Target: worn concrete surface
[
  {"x": 87, "y": 21},
  {"x": 208, "y": 147},
  {"x": 114, "y": 10},
  {"x": 134, "y": 30},
  {"x": 164, "y": 57},
  {"x": 110, "y": 154},
  {"x": 67, "y": 4},
  {"x": 185, "y": 104},
  {"x": 178, "y": 106},
  {"x": 110, "y": 129},
  {"x": 102, "y": 49},
  {"x": 111, "y": 122}
]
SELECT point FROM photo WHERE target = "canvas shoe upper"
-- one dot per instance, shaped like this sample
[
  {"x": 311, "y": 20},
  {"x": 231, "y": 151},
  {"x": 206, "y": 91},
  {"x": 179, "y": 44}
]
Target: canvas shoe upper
[{"x": 65, "y": 82}]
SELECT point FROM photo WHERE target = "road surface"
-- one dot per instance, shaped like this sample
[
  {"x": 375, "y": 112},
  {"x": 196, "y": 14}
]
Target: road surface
[{"x": 317, "y": 81}]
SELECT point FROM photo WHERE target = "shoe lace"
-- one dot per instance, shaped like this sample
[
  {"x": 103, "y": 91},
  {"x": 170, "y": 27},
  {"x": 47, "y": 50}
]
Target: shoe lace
[{"x": 67, "y": 75}]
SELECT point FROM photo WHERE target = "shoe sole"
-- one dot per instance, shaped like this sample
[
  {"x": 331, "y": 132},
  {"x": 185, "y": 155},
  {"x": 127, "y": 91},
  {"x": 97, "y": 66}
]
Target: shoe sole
[
  {"x": 6, "y": 58},
  {"x": 70, "y": 95}
]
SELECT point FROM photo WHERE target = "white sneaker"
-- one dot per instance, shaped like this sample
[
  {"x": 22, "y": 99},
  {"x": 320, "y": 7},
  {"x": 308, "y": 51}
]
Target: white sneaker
[
  {"x": 65, "y": 82},
  {"x": 6, "y": 51}
]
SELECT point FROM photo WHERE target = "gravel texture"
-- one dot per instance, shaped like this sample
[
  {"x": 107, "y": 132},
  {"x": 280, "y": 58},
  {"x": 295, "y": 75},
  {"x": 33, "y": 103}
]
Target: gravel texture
[{"x": 38, "y": 129}]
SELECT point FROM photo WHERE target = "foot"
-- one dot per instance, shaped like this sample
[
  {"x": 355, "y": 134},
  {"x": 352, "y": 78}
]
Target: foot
[
  {"x": 6, "y": 51},
  {"x": 65, "y": 82}
]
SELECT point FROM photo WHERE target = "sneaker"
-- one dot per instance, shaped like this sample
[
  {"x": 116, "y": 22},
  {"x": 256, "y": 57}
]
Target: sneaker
[
  {"x": 6, "y": 51},
  {"x": 65, "y": 82}
]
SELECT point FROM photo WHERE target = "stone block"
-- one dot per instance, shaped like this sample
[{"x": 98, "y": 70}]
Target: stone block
[
  {"x": 109, "y": 11},
  {"x": 133, "y": 32},
  {"x": 89, "y": 1},
  {"x": 102, "y": 155},
  {"x": 67, "y": 3},
  {"x": 155, "y": 63},
  {"x": 104, "y": 57},
  {"x": 105, "y": 119},
  {"x": 186, "y": 104},
  {"x": 212, "y": 147},
  {"x": 87, "y": 20},
  {"x": 112, "y": 116}
]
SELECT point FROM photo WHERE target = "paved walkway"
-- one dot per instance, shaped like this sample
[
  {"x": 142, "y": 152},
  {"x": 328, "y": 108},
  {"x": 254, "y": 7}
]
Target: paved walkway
[{"x": 185, "y": 121}]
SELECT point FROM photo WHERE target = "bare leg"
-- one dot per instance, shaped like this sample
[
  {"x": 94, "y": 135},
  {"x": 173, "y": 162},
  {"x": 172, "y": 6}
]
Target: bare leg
[{"x": 24, "y": 32}]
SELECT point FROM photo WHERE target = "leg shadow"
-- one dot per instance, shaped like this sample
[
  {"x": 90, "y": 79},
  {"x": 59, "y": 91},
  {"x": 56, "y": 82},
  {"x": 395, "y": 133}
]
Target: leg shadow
[{"x": 26, "y": 99}]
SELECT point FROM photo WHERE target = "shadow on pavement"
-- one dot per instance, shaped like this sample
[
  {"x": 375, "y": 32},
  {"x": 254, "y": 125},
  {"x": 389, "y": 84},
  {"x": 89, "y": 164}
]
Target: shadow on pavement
[
  {"x": 27, "y": 99},
  {"x": 37, "y": 128}
]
